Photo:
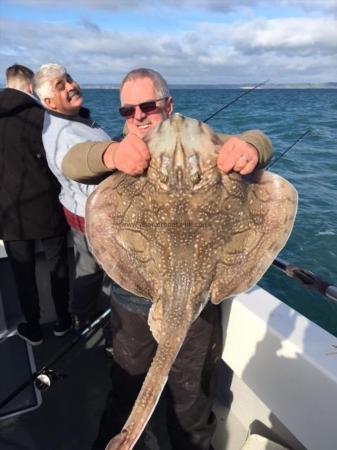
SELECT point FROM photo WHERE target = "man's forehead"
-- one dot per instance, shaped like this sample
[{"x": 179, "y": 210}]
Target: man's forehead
[
  {"x": 56, "y": 80},
  {"x": 138, "y": 81},
  {"x": 138, "y": 90},
  {"x": 60, "y": 78}
]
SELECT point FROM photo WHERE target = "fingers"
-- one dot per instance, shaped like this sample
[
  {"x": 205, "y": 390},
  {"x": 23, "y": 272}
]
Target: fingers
[
  {"x": 238, "y": 156},
  {"x": 131, "y": 156},
  {"x": 139, "y": 145},
  {"x": 248, "y": 167},
  {"x": 117, "y": 442}
]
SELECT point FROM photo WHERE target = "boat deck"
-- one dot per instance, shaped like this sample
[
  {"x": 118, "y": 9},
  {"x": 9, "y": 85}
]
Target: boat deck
[
  {"x": 68, "y": 417},
  {"x": 283, "y": 367}
]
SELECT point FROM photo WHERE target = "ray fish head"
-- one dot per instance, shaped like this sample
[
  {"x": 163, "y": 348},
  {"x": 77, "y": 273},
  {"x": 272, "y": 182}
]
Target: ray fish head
[{"x": 183, "y": 154}]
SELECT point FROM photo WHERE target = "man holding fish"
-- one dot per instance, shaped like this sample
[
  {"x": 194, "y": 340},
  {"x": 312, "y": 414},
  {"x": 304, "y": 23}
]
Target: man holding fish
[{"x": 190, "y": 390}]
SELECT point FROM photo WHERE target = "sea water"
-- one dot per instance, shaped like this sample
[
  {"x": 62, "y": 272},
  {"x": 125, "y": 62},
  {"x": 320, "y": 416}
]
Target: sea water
[{"x": 311, "y": 166}]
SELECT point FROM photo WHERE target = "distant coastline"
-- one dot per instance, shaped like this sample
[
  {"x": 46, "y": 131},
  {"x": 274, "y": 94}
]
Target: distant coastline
[{"x": 328, "y": 85}]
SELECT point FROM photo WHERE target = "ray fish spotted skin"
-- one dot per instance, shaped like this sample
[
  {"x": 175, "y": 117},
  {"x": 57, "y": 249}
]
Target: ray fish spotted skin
[{"x": 183, "y": 234}]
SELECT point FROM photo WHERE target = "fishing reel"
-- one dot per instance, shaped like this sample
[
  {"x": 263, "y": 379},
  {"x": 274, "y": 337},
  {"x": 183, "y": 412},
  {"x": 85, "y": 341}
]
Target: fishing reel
[{"x": 46, "y": 379}]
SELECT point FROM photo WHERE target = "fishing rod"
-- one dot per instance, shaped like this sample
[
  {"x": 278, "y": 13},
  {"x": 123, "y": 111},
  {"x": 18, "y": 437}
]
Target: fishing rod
[
  {"x": 235, "y": 100},
  {"x": 46, "y": 376},
  {"x": 287, "y": 150},
  {"x": 308, "y": 279}
]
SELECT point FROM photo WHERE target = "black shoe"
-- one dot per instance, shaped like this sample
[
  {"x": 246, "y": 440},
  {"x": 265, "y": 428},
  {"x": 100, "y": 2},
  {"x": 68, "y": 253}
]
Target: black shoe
[
  {"x": 62, "y": 326},
  {"x": 30, "y": 333}
]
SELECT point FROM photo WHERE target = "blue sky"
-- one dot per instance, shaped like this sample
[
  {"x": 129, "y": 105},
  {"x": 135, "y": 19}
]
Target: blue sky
[{"x": 188, "y": 41}]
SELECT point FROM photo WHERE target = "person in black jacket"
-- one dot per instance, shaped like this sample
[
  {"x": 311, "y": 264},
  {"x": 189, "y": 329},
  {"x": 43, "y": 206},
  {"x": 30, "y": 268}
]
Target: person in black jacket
[{"x": 29, "y": 205}]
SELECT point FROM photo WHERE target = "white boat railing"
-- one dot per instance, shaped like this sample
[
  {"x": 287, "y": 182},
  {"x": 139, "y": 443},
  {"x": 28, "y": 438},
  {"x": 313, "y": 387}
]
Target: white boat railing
[{"x": 288, "y": 362}]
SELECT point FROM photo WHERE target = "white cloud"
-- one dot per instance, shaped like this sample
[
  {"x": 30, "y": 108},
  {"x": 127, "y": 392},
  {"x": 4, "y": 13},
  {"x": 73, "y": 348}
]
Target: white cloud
[
  {"x": 305, "y": 36},
  {"x": 279, "y": 49},
  {"x": 323, "y": 5}
]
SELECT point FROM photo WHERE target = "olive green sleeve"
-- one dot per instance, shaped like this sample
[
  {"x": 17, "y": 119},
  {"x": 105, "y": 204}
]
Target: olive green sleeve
[
  {"x": 259, "y": 140},
  {"x": 84, "y": 162}
]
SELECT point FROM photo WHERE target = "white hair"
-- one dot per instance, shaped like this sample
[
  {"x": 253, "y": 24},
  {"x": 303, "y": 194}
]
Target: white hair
[
  {"x": 42, "y": 78},
  {"x": 160, "y": 85}
]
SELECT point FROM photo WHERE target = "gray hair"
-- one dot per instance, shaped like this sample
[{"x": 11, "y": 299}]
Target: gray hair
[
  {"x": 19, "y": 77},
  {"x": 160, "y": 85},
  {"x": 42, "y": 78}
]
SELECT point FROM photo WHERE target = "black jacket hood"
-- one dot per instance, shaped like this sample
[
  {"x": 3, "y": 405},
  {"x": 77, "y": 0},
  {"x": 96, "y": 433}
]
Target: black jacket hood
[{"x": 13, "y": 101}]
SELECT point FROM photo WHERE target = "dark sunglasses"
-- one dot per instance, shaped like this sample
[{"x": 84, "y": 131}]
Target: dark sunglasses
[{"x": 145, "y": 107}]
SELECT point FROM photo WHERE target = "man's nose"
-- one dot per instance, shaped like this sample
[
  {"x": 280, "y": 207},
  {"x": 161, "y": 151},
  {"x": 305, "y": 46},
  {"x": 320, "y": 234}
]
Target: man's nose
[{"x": 139, "y": 114}]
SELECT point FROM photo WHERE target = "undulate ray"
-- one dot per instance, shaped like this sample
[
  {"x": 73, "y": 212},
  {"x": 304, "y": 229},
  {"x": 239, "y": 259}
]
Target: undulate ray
[{"x": 183, "y": 233}]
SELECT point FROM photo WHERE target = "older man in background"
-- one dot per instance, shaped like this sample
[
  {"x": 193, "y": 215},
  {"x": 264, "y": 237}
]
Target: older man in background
[{"x": 67, "y": 123}]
